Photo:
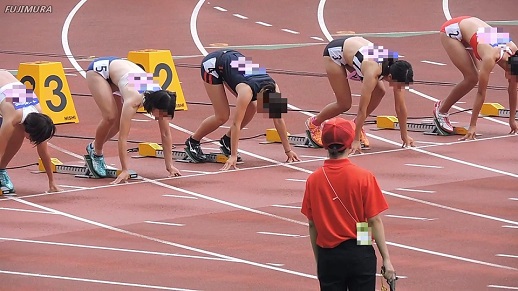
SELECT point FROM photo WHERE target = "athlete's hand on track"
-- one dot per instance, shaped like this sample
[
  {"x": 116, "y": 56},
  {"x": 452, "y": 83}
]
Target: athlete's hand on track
[
  {"x": 408, "y": 142},
  {"x": 174, "y": 172},
  {"x": 292, "y": 157},
  {"x": 122, "y": 177},
  {"x": 231, "y": 162},
  {"x": 53, "y": 188},
  {"x": 356, "y": 146},
  {"x": 514, "y": 127},
  {"x": 471, "y": 135}
]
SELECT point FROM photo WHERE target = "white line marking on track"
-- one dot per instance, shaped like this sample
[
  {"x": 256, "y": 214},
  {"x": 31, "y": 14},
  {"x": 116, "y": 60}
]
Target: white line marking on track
[
  {"x": 25, "y": 210},
  {"x": 433, "y": 63},
  {"x": 409, "y": 217},
  {"x": 80, "y": 157},
  {"x": 507, "y": 256},
  {"x": 179, "y": 196},
  {"x": 74, "y": 187},
  {"x": 321, "y": 20},
  {"x": 290, "y": 31},
  {"x": 220, "y": 8},
  {"x": 429, "y": 142},
  {"x": 502, "y": 287},
  {"x": 113, "y": 249},
  {"x": 286, "y": 206},
  {"x": 446, "y": 9},
  {"x": 279, "y": 234},
  {"x": 296, "y": 180},
  {"x": 164, "y": 223},
  {"x": 240, "y": 16},
  {"x": 424, "y": 166},
  {"x": 197, "y": 172},
  {"x": 194, "y": 29},
  {"x": 313, "y": 157},
  {"x": 92, "y": 280},
  {"x": 263, "y": 23},
  {"x": 515, "y": 199},
  {"x": 415, "y": 190},
  {"x": 161, "y": 241},
  {"x": 276, "y": 265},
  {"x": 64, "y": 38},
  {"x": 317, "y": 38},
  {"x": 450, "y": 208},
  {"x": 450, "y": 256},
  {"x": 510, "y": 226}
]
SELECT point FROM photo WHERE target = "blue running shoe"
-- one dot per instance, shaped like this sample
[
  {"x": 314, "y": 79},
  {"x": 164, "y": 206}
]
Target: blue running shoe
[
  {"x": 99, "y": 166},
  {"x": 5, "y": 181}
]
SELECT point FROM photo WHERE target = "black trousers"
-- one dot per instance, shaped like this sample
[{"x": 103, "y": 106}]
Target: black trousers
[{"x": 348, "y": 266}]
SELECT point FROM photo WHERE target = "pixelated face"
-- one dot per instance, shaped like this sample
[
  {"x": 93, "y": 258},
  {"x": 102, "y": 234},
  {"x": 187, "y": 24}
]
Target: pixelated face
[
  {"x": 494, "y": 36},
  {"x": 246, "y": 66},
  {"x": 20, "y": 94},
  {"x": 143, "y": 82},
  {"x": 511, "y": 71},
  {"x": 395, "y": 84},
  {"x": 160, "y": 114},
  {"x": 271, "y": 104},
  {"x": 377, "y": 53}
]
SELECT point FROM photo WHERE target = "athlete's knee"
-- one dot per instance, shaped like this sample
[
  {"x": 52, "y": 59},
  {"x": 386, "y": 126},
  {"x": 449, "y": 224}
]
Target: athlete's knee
[
  {"x": 344, "y": 103},
  {"x": 221, "y": 118},
  {"x": 471, "y": 79},
  {"x": 110, "y": 118}
]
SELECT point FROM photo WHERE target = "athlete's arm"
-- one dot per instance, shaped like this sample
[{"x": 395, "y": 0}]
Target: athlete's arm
[
  {"x": 401, "y": 113},
  {"x": 511, "y": 89},
  {"x": 43, "y": 152},
  {"x": 370, "y": 72},
  {"x": 167, "y": 145},
  {"x": 129, "y": 108},
  {"x": 7, "y": 128}
]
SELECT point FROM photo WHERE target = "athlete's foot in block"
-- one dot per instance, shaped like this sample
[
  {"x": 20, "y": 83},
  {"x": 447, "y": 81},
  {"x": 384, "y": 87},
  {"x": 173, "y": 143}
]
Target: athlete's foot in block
[{"x": 314, "y": 132}]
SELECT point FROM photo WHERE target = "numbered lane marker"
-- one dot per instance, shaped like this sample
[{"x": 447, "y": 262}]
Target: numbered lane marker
[{"x": 48, "y": 81}]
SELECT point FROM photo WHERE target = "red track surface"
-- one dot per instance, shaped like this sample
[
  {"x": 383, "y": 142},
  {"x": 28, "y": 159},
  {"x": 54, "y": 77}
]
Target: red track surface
[{"x": 98, "y": 237}]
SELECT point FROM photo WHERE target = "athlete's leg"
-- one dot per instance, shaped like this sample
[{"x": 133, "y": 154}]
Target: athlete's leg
[
  {"x": 221, "y": 107},
  {"x": 14, "y": 144}
]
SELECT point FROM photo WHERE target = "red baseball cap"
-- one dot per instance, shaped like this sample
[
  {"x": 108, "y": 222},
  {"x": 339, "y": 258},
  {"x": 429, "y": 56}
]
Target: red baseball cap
[{"x": 338, "y": 131}]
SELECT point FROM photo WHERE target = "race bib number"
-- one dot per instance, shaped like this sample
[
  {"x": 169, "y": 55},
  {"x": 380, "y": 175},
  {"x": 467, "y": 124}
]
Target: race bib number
[
  {"x": 453, "y": 31},
  {"x": 101, "y": 67}
]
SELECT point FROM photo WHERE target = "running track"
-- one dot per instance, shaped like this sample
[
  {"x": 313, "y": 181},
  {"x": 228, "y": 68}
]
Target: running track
[{"x": 452, "y": 222}]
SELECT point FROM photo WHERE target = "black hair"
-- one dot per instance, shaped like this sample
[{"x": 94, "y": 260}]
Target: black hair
[
  {"x": 401, "y": 71},
  {"x": 39, "y": 126},
  {"x": 162, "y": 100},
  {"x": 268, "y": 87},
  {"x": 334, "y": 152},
  {"x": 512, "y": 62}
]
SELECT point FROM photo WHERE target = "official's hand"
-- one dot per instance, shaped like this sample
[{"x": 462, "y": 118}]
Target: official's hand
[
  {"x": 389, "y": 272},
  {"x": 122, "y": 177},
  {"x": 471, "y": 135},
  {"x": 292, "y": 157},
  {"x": 231, "y": 162},
  {"x": 356, "y": 146}
]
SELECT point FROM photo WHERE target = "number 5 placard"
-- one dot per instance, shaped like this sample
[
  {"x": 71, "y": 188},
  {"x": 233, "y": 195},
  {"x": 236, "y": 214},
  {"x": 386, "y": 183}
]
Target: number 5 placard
[
  {"x": 48, "y": 81},
  {"x": 160, "y": 63}
]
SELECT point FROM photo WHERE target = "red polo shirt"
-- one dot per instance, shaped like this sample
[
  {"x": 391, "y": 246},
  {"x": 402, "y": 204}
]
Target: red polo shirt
[{"x": 359, "y": 192}]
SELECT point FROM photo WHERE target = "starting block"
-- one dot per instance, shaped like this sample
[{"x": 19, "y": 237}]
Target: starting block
[
  {"x": 150, "y": 149},
  {"x": 494, "y": 110},
  {"x": 391, "y": 122},
  {"x": 272, "y": 136},
  {"x": 84, "y": 171}
]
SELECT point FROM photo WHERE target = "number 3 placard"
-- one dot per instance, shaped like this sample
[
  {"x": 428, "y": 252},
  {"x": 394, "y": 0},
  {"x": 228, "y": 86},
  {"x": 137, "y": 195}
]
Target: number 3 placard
[{"x": 48, "y": 81}]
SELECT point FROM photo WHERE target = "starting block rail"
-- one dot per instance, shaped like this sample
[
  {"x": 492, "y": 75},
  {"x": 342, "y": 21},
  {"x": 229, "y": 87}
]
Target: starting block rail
[
  {"x": 494, "y": 110},
  {"x": 82, "y": 171},
  {"x": 149, "y": 149},
  {"x": 272, "y": 136},
  {"x": 391, "y": 122}
]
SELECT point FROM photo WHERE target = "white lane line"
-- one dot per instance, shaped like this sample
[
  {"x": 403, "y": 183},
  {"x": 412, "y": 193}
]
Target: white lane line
[
  {"x": 415, "y": 190},
  {"x": 286, "y": 206},
  {"x": 263, "y": 23},
  {"x": 279, "y": 234},
  {"x": 141, "y": 120},
  {"x": 446, "y": 9},
  {"x": 134, "y": 251},
  {"x": 290, "y": 31},
  {"x": 80, "y": 157},
  {"x": 510, "y": 226},
  {"x": 64, "y": 38},
  {"x": 296, "y": 180},
  {"x": 321, "y": 20},
  {"x": 197, "y": 172},
  {"x": 276, "y": 265},
  {"x": 424, "y": 166},
  {"x": 74, "y": 187},
  {"x": 92, "y": 281},
  {"x": 433, "y": 63},
  {"x": 515, "y": 199},
  {"x": 25, "y": 210},
  {"x": 240, "y": 16},
  {"x": 194, "y": 29},
  {"x": 450, "y": 256},
  {"x": 313, "y": 157},
  {"x": 164, "y": 223},
  {"x": 409, "y": 217},
  {"x": 161, "y": 241},
  {"x": 430, "y": 142},
  {"x": 450, "y": 208},
  {"x": 507, "y": 256},
  {"x": 179, "y": 196},
  {"x": 502, "y": 287},
  {"x": 220, "y": 8},
  {"x": 317, "y": 38}
]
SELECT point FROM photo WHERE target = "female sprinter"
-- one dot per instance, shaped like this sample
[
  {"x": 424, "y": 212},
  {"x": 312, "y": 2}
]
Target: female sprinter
[
  {"x": 355, "y": 58},
  {"x": 21, "y": 118},
  {"x": 119, "y": 87},
  {"x": 475, "y": 48},
  {"x": 229, "y": 68}
]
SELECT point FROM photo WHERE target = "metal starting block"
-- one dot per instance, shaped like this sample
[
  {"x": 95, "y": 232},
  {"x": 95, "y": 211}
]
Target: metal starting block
[
  {"x": 84, "y": 171},
  {"x": 150, "y": 149},
  {"x": 272, "y": 136},
  {"x": 494, "y": 110},
  {"x": 391, "y": 122}
]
